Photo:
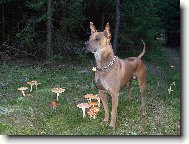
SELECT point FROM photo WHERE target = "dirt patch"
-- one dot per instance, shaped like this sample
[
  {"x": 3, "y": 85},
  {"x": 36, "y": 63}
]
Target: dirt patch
[
  {"x": 173, "y": 56},
  {"x": 154, "y": 69}
]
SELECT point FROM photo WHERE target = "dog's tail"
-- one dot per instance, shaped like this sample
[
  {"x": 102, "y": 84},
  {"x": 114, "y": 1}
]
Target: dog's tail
[{"x": 140, "y": 56}]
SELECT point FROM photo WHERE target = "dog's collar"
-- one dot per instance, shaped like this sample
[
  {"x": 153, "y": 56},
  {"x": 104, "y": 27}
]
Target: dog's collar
[{"x": 111, "y": 63}]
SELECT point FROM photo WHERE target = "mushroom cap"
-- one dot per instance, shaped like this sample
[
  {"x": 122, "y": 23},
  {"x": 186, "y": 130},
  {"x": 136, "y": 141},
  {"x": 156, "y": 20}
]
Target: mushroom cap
[
  {"x": 57, "y": 90},
  {"x": 83, "y": 105},
  {"x": 92, "y": 96},
  {"x": 91, "y": 112},
  {"x": 96, "y": 109},
  {"x": 22, "y": 88},
  {"x": 53, "y": 104},
  {"x": 28, "y": 95},
  {"x": 92, "y": 103},
  {"x": 32, "y": 82},
  {"x": 37, "y": 83}
]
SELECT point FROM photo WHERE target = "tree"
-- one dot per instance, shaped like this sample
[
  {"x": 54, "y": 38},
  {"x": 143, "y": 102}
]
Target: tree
[
  {"x": 169, "y": 12},
  {"x": 117, "y": 25},
  {"x": 49, "y": 51},
  {"x": 139, "y": 20},
  {"x": 3, "y": 4}
]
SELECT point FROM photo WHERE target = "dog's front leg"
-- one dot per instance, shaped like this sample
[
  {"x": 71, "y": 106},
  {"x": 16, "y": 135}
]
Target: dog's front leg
[
  {"x": 103, "y": 97},
  {"x": 114, "y": 109}
]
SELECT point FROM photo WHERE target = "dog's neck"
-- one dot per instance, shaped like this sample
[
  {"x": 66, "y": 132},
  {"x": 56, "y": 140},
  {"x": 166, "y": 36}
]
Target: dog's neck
[{"x": 104, "y": 58}]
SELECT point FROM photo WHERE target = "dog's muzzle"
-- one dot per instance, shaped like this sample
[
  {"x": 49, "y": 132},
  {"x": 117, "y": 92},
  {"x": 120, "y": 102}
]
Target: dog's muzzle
[
  {"x": 86, "y": 44},
  {"x": 88, "y": 48}
]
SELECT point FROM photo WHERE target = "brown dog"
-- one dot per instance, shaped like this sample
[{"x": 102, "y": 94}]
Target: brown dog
[{"x": 112, "y": 72}]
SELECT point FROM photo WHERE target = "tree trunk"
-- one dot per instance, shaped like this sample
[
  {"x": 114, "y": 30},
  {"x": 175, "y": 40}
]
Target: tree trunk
[
  {"x": 49, "y": 51},
  {"x": 102, "y": 21},
  {"x": 117, "y": 25},
  {"x": 3, "y": 23}
]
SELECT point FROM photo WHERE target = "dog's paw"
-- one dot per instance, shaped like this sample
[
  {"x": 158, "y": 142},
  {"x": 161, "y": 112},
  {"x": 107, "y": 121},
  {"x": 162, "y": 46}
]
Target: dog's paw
[
  {"x": 104, "y": 123},
  {"x": 112, "y": 126},
  {"x": 105, "y": 120}
]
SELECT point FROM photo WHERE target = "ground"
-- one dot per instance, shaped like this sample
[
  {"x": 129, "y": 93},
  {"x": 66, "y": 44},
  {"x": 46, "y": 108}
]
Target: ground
[{"x": 34, "y": 115}]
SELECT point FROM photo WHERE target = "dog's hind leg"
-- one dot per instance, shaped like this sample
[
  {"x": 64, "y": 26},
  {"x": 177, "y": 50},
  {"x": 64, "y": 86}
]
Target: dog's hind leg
[
  {"x": 142, "y": 86},
  {"x": 103, "y": 97}
]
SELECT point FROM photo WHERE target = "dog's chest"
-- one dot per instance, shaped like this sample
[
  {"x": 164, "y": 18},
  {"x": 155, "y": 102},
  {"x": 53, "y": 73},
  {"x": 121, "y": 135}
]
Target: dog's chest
[
  {"x": 103, "y": 82},
  {"x": 100, "y": 85}
]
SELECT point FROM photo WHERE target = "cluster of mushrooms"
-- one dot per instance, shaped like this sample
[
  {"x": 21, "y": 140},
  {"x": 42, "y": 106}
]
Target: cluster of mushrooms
[
  {"x": 35, "y": 83},
  {"x": 31, "y": 83},
  {"x": 93, "y": 105}
]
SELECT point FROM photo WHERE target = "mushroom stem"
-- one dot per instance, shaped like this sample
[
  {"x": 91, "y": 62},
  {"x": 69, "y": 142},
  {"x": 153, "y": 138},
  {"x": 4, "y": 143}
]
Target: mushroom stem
[
  {"x": 83, "y": 109},
  {"x": 57, "y": 96},
  {"x": 23, "y": 93},
  {"x": 94, "y": 116},
  {"x": 89, "y": 99},
  {"x": 99, "y": 103},
  {"x": 36, "y": 86},
  {"x": 31, "y": 88}
]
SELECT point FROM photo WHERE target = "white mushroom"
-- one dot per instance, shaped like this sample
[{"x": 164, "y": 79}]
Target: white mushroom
[
  {"x": 31, "y": 83},
  {"x": 22, "y": 89},
  {"x": 57, "y": 91},
  {"x": 83, "y": 106},
  {"x": 36, "y": 84}
]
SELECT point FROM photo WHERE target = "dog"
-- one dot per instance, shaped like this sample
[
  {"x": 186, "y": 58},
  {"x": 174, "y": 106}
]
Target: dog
[{"x": 112, "y": 73}]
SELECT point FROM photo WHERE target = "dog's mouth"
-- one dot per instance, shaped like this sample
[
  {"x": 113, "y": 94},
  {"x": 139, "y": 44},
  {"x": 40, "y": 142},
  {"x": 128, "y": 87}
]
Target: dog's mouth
[
  {"x": 88, "y": 48},
  {"x": 95, "y": 51}
]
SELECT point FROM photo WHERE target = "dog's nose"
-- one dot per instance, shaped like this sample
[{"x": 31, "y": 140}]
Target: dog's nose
[{"x": 85, "y": 46}]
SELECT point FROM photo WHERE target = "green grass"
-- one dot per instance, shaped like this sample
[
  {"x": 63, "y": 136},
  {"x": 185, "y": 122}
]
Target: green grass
[{"x": 35, "y": 116}]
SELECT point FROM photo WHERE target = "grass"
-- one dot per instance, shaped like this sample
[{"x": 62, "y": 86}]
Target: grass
[{"x": 34, "y": 115}]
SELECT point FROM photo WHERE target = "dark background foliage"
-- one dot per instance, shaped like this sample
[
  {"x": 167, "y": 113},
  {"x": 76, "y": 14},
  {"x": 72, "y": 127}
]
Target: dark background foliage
[{"x": 23, "y": 26}]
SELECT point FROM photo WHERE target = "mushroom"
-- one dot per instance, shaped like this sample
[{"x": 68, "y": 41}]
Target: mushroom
[
  {"x": 170, "y": 90},
  {"x": 36, "y": 84},
  {"x": 31, "y": 83},
  {"x": 93, "y": 103},
  {"x": 172, "y": 67},
  {"x": 53, "y": 104},
  {"x": 22, "y": 89},
  {"x": 98, "y": 98},
  {"x": 173, "y": 83},
  {"x": 91, "y": 96},
  {"x": 83, "y": 106},
  {"x": 28, "y": 95},
  {"x": 57, "y": 91},
  {"x": 93, "y": 111}
]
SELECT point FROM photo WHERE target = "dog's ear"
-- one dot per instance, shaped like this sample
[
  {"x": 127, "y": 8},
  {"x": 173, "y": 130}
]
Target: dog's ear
[
  {"x": 92, "y": 27},
  {"x": 107, "y": 32}
]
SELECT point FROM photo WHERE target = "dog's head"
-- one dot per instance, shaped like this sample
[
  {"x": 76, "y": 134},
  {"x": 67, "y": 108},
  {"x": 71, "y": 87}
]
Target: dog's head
[{"x": 98, "y": 40}]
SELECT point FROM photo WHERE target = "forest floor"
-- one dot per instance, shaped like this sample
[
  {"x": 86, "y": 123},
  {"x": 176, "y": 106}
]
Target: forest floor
[{"x": 34, "y": 115}]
